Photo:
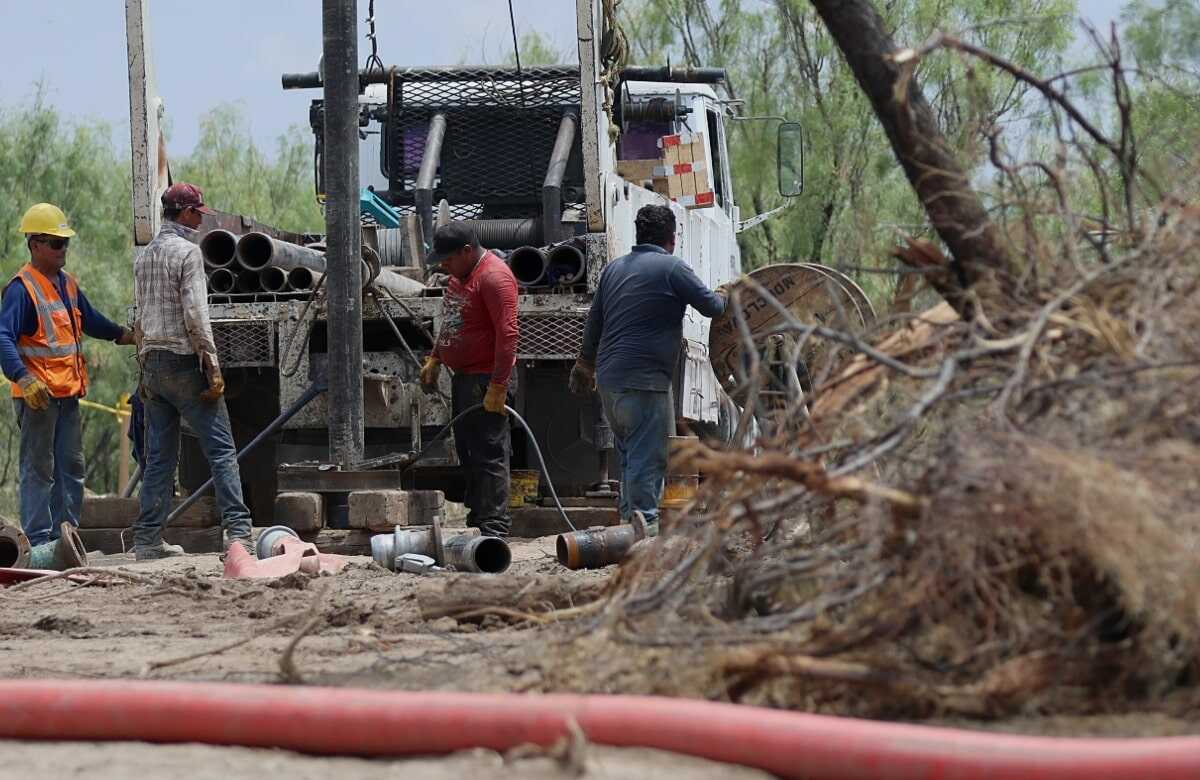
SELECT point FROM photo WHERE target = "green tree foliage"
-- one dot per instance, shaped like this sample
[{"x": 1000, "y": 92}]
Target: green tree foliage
[
  {"x": 1165, "y": 42},
  {"x": 77, "y": 165},
  {"x": 537, "y": 49},
  {"x": 781, "y": 61},
  {"x": 238, "y": 177}
]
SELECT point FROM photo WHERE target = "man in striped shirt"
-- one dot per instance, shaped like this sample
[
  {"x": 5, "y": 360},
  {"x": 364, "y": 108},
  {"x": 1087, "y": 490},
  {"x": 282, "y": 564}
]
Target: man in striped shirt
[{"x": 181, "y": 377}]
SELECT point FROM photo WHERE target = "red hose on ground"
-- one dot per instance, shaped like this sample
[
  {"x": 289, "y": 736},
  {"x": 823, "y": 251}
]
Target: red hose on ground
[{"x": 346, "y": 721}]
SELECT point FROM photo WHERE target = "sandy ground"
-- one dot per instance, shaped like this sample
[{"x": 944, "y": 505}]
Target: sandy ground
[
  {"x": 117, "y": 761},
  {"x": 376, "y": 638},
  {"x": 378, "y": 641}
]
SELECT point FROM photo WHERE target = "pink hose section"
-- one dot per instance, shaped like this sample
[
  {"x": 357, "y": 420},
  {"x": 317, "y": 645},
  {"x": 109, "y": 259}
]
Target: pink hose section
[{"x": 346, "y": 721}]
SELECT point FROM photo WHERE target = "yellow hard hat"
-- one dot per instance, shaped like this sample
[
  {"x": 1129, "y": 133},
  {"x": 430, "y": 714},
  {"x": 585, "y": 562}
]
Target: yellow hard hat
[{"x": 46, "y": 219}]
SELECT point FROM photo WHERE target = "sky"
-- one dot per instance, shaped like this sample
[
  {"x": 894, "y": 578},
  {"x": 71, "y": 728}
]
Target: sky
[{"x": 216, "y": 51}]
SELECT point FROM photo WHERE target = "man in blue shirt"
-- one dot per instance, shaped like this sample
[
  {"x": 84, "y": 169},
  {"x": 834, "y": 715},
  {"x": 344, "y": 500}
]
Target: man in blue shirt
[
  {"x": 630, "y": 348},
  {"x": 43, "y": 317}
]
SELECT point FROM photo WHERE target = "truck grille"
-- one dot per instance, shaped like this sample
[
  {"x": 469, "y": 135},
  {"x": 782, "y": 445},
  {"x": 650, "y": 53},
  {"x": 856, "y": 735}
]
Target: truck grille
[
  {"x": 245, "y": 343},
  {"x": 550, "y": 336}
]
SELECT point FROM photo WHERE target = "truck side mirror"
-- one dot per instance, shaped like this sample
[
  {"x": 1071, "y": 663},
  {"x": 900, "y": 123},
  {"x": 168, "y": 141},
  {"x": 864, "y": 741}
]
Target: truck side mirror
[{"x": 790, "y": 153}]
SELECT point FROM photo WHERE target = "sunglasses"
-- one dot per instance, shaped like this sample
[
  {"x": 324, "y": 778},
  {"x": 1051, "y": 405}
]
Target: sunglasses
[{"x": 55, "y": 243}]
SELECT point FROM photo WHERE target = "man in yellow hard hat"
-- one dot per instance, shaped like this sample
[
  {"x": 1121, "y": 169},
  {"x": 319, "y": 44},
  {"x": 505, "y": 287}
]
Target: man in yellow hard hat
[{"x": 43, "y": 317}]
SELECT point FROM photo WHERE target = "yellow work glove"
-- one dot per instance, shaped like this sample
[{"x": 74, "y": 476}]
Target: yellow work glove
[
  {"x": 430, "y": 372},
  {"x": 212, "y": 373},
  {"x": 582, "y": 381},
  {"x": 494, "y": 400},
  {"x": 35, "y": 392}
]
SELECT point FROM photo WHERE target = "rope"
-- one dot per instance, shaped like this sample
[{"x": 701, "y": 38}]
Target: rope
[{"x": 115, "y": 411}]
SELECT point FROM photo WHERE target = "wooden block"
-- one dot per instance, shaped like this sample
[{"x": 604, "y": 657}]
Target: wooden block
[
  {"x": 328, "y": 540},
  {"x": 193, "y": 540},
  {"x": 702, "y": 184},
  {"x": 687, "y": 184},
  {"x": 684, "y": 154},
  {"x": 696, "y": 148},
  {"x": 300, "y": 511},
  {"x": 117, "y": 512},
  {"x": 378, "y": 509},
  {"x": 424, "y": 504},
  {"x": 662, "y": 185},
  {"x": 532, "y": 522}
]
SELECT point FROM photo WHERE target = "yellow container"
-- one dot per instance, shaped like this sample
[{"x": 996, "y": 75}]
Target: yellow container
[
  {"x": 680, "y": 488},
  {"x": 523, "y": 487}
]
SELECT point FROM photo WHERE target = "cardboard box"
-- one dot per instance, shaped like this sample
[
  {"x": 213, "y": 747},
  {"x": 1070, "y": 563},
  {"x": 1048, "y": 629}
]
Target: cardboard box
[
  {"x": 638, "y": 171},
  {"x": 679, "y": 168},
  {"x": 682, "y": 175}
]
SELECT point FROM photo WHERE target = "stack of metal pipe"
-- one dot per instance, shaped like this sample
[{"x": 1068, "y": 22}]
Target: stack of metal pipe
[
  {"x": 553, "y": 266},
  {"x": 256, "y": 263}
]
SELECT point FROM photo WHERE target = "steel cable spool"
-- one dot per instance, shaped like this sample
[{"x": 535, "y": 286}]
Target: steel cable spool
[{"x": 809, "y": 293}]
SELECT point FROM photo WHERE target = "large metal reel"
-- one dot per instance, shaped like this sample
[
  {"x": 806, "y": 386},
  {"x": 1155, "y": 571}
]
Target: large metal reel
[{"x": 812, "y": 294}]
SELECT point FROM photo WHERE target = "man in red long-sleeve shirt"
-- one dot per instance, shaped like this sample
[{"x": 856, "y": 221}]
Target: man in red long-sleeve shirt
[{"x": 478, "y": 341}]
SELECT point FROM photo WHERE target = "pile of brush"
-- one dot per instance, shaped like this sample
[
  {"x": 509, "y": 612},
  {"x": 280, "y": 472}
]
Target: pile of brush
[{"x": 989, "y": 507}]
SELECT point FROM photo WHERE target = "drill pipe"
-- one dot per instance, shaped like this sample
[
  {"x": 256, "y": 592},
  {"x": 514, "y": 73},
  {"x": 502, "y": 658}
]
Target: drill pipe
[
  {"x": 256, "y": 251},
  {"x": 222, "y": 280},
  {"x": 247, "y": 282},
  {"x": 273, "y": 279},
  {"x": 300, "y": 279},
  {"x": 465, "y": 552},
  {"x": 528, "y": 264},
  {"x": 565, "y": 264},
  {"x": 486, "y": 554},
  {"x": 595, "y": 548},
  {"x": 219, "y": 248}
]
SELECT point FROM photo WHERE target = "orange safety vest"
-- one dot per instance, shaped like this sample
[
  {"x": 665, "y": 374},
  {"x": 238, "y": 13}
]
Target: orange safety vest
[{"x": 53, "y": 353}]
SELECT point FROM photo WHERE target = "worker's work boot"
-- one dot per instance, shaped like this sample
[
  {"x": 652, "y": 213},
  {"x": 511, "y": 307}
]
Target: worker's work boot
[
  {"x": 245, "y": 541},
  {"x": 154, "y": 552},
  {"x": 494, "y": 527}
]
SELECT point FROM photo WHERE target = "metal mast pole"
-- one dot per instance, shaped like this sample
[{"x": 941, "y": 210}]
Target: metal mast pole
[{"x": 343, "y": 232}]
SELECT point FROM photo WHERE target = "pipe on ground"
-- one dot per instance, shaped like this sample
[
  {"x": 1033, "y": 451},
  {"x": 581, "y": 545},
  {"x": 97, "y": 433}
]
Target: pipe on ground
[
  {"x": 219, "y": 249},
  {"x": 565, "y": 264},
  {"x": 528, "y": 264},
  {"x": 346, "y": 721},
  {"x": 595, "y": 548},
  {"x": 480, "y": 554},
  {"x": 14, "y": 547},
  {"x": 222, "y": 280}
]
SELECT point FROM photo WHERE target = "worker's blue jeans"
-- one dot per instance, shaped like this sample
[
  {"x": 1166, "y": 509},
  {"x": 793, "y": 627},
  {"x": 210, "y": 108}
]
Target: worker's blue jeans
[
  {"x": 51, "y": 469},
  {"x": 641, "y": 425},
  {"x": 171, "y": 386}
]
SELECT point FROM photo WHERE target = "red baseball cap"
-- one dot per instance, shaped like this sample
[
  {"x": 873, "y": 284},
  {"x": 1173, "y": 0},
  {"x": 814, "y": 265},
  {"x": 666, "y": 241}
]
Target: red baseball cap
[{"x": 183, "y": 196}]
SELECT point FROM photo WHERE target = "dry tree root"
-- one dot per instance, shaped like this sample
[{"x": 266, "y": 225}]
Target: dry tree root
[{"x": 315, "y": 620}]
